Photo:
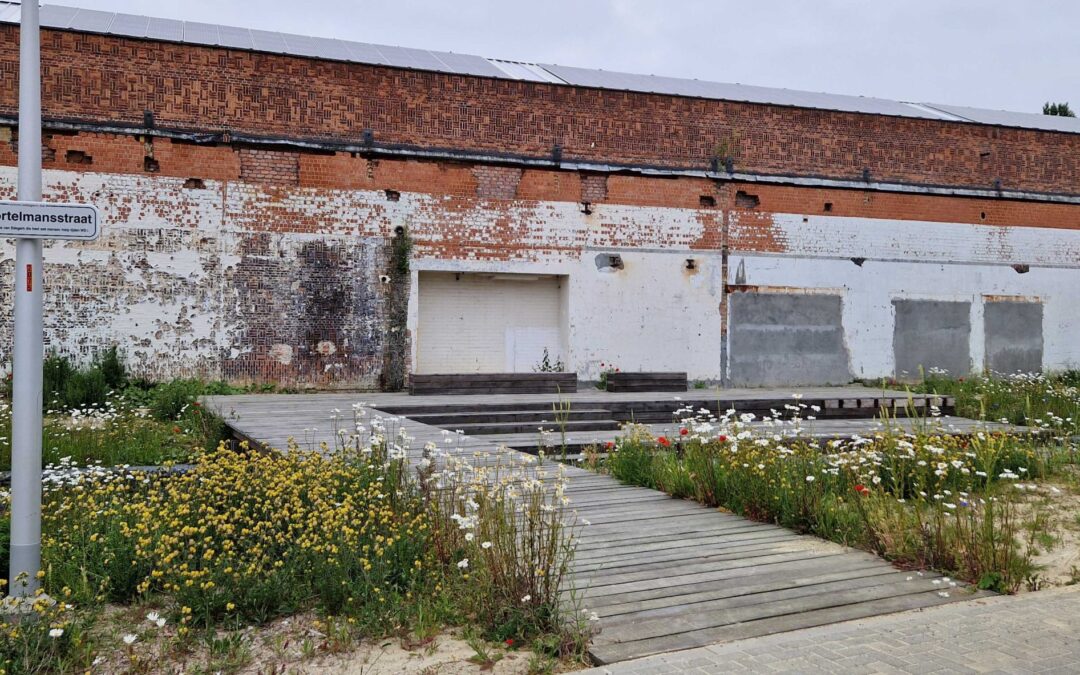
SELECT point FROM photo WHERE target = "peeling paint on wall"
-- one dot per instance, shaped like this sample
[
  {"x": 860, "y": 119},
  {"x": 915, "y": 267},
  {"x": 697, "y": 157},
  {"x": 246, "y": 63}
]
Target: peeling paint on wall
[{"x": 255, "y": 282}]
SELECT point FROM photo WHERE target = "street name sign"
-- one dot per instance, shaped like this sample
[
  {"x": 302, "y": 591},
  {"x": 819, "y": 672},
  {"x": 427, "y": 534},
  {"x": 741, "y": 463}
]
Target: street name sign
[{"x": 47, "y": 220}]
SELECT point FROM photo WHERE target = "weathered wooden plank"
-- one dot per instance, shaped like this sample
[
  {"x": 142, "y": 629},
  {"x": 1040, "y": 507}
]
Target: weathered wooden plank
[
  {"x": 734, "y": 578},
  {"x": 718, "y": 600},
  {"x": 603, "y": 654},
  {"x": 687, "y": 594}
]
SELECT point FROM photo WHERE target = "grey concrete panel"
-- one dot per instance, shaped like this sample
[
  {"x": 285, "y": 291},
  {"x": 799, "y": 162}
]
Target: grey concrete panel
[
  {"x": 932, "y": 334},
  {"x": 1014, "y": 336},
  {"x": 787, "y": 339}
]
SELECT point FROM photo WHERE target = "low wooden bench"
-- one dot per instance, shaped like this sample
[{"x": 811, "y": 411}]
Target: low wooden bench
[
  {"x": 646, "y": 382},
  {"x": 494, "y": 383}
]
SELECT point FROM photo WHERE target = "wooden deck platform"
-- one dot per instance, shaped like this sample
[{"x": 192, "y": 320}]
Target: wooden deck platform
[{"x": 662, "y": 574}]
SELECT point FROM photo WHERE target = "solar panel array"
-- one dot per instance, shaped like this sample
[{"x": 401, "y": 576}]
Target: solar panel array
[{"x": 193, "y": 32}]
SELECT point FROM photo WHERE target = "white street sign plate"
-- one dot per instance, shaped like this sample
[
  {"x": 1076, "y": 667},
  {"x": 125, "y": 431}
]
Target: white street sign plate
[{"x": 46, "y": 220}]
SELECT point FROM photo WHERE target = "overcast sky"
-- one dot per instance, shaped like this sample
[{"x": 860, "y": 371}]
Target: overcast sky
[{"x": 1003, "y": 54}]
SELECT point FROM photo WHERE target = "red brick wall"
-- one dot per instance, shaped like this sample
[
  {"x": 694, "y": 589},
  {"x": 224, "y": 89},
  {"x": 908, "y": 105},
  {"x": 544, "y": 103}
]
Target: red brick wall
[
  {"x": 104, "y": 78},
  {"x": 111, "y": 153},
  {"x": 272, "y": 167}
]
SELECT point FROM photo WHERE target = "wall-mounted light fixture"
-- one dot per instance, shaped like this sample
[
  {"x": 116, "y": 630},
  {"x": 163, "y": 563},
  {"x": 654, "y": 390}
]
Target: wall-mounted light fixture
[
  {"x": 1021, "y": 268},
  {"x": 858, "y": 261},
  {"x": 586, "y": 207},
  {"x": 691, "y": 264},
  {"x": 608, "y": 263}
]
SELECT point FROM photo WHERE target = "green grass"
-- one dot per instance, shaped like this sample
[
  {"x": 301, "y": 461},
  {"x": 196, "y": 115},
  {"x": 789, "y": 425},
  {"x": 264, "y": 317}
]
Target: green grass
[
  {"x": 923, "y": 500},
  {"x": 1051, "y": 400},
  {"x": 118, "y": 434}
]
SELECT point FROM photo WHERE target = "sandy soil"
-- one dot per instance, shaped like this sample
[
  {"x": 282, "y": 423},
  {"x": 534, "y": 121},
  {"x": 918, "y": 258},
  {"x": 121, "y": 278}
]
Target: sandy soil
[
  {"x": 447, "y": 655},
  {"x": 301, "y": 645},
  {"x": 1058, "y": 562}
]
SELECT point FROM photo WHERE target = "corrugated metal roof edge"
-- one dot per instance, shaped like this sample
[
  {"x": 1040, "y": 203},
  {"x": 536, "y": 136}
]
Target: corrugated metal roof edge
[{"x": 944, "y": 116}]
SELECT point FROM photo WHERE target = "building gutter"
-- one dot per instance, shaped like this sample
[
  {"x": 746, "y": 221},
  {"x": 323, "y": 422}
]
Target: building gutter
[{"x": 369, "y": 148}]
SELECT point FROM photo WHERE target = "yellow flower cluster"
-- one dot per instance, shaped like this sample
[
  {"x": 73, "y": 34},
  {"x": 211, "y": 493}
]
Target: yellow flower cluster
[{"x": 241, "y": 532}]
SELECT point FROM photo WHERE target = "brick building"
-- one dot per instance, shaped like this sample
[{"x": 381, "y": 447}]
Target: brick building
[{"x": 258, "y": 191}]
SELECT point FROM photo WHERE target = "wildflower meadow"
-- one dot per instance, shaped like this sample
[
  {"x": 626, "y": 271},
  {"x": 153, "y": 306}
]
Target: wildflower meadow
[{"x": 922, "y": 498}]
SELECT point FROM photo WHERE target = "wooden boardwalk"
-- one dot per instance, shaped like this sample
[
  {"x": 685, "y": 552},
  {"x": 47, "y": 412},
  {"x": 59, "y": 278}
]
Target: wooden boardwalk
[{"x": 662, "y": 574}]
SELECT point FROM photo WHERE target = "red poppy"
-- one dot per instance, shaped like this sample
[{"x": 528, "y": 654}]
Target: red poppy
[
  {"x": 683, "y": 431},
  {"x": 196, "y": 404},
  {"x": 722, "y": 438},
  {"x": 616, "y": 370},
  {"x": 176, "y": 430},
  {"x": 509, "y": 642},
  {"x": 663, "y": 441},
  {"x": 609, "y": 445},
  {"x": 862, "y": 489},
  {"x": 959, "y": 379}
]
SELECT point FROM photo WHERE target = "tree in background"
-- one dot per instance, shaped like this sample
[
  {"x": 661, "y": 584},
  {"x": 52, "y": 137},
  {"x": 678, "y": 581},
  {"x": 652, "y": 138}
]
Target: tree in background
[{"x": 1059, "y": 109}]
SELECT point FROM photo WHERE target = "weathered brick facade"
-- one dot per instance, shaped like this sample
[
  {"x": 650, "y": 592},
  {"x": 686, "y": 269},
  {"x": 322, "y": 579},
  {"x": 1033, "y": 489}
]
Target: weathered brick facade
[{"x": 232, "y": 257}]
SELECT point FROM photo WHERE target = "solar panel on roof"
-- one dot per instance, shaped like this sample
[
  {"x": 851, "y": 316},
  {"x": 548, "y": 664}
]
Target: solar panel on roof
[
  {"x": 267, "y": 41},
  {"x": 1014, "y": 119},
  {"x": 165, "y": 29},
  {"x": 396, "y": 56},
  {"x": 51, "y": 15},
  {"x": 237, "y": 38},
  {"x": 420, "y": 59},
  {"x": 466, "y": 64},
  {"x": 364, "y": 53},
  {"x": 9, "y": 13},
  {"x": 130, "y": 24},
  {"x": 201, "y": 33},
  {"x": 300, "y": 45},
  {"x": 91, "y": 21},
  {"x": 327, "y": 48}
]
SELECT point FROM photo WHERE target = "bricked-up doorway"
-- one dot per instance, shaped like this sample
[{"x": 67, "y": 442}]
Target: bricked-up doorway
[{"x": 488, "y": 323}]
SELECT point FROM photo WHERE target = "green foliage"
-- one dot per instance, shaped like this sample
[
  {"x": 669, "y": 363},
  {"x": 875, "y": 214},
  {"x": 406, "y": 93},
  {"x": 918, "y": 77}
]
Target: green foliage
[
  {"x": 922, "y": 499},
  {"x": 1058, "y": 109},
  {"x": 401, "y": 253},
  {"x": 66, "y": 386},
  {"x": 170, "y": 400},
  {"x": 112, "y": 368},
  {"x": 1050, "y": 401},
  {"x": 84, "y": 388},
  {"x": 546, "y": 365},
  {"x": 347, "y": 534},
  {"x": 116, "y": 434}
]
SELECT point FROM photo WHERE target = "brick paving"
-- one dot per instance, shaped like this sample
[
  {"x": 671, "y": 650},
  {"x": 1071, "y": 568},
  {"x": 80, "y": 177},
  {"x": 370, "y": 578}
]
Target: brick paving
[{"x": 1031, "y": 633}]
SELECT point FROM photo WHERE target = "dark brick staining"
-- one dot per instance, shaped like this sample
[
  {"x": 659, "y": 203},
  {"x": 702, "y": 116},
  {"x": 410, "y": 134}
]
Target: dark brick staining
[{"x": 333, "y": 296}]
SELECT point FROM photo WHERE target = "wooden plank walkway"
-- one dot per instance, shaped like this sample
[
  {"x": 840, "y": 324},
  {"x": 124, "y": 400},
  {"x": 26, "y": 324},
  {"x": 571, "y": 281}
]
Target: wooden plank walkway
[{"x": 662, "y": 574}]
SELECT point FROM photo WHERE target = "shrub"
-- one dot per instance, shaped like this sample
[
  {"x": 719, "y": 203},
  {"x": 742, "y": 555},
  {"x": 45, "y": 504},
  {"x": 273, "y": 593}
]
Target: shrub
[
  {"x": 112, "y": 368},
  {"x": 85, "y": 389},
  {"x": 56, "y": 370},
  {"x": 170, "y": 400}
]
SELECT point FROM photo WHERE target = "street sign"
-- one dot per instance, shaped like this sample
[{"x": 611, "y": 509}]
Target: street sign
[{"x": 46, "y": 220}]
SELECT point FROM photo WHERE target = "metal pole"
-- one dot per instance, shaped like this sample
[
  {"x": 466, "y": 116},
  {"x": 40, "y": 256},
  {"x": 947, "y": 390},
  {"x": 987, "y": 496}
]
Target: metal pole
[{"x": 26, "y": 399}]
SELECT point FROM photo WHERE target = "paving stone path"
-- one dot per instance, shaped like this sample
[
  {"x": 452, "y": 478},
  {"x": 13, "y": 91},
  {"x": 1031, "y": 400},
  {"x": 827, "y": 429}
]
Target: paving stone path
[{"x": 1030, "y": 633}]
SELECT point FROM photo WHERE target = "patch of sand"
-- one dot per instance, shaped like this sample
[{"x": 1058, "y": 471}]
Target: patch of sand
[{"x": 1059, "y": 563}]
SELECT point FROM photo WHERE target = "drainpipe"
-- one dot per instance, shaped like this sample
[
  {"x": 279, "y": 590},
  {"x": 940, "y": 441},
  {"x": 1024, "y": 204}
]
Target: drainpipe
[{"x": 724, "y": 291}]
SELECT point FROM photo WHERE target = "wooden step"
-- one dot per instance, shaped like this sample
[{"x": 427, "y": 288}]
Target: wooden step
[
  {"x": 493, "y": 383},
  {"x": 533, "y": 427},
  {"x": 481, "y": 415},
  {"x": 654, "y": 381}
]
